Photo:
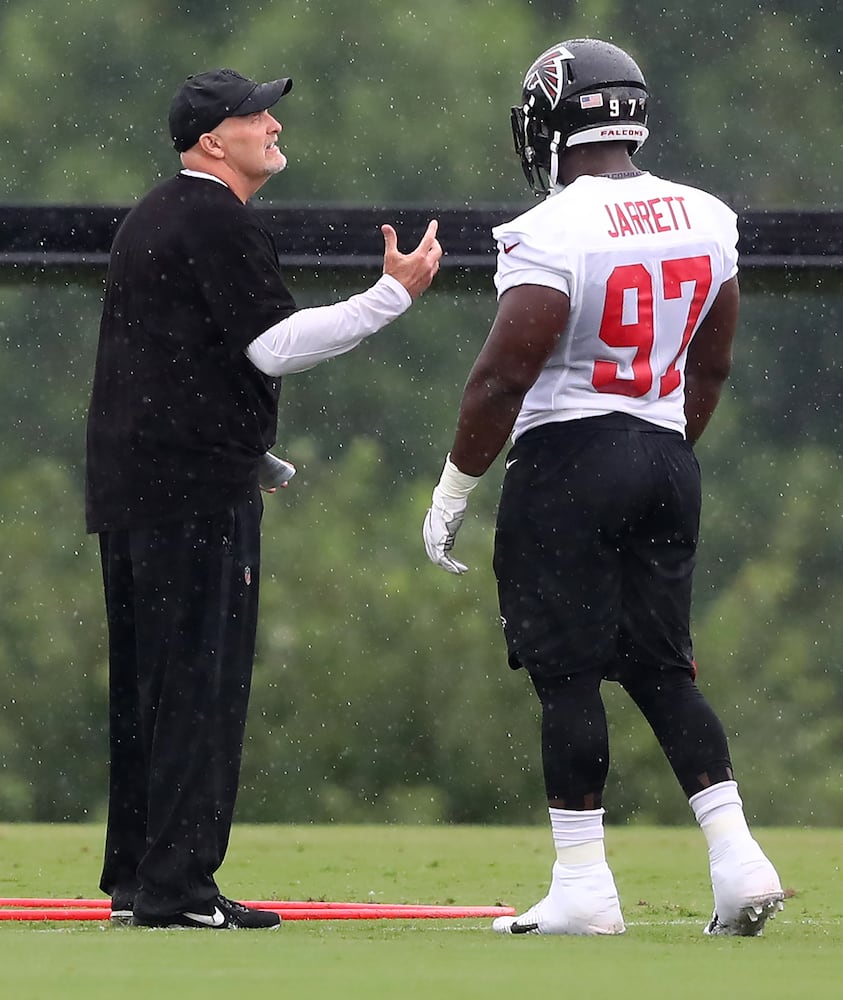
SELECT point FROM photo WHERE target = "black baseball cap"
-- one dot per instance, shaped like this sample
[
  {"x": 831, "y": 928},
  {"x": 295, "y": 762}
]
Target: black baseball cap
[{"x": 206, "y": 99}]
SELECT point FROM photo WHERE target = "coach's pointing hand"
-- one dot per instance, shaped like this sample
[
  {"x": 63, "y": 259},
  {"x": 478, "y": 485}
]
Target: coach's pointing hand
[{"x": 414, "y": 270}]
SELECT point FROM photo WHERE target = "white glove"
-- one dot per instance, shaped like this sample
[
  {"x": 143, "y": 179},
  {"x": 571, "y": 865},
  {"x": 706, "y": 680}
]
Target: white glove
[
  {"x": 441, "y": 524},
  {"x": 445, "y": 515}
]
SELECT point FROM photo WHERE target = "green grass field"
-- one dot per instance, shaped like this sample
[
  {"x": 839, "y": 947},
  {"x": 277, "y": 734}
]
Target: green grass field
[{"x": 661, "y": 874}]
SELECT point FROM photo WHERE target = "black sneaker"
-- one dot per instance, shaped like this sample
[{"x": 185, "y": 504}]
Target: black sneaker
[
  {"x": 122, "y": 905},
  {"x": 217, "y": 914}
]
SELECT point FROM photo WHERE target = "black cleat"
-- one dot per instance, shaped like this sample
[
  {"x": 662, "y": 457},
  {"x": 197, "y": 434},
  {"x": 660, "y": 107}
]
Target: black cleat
[
  {"x": 217, "y": 914},
  {"x": 122, "y": 905}
]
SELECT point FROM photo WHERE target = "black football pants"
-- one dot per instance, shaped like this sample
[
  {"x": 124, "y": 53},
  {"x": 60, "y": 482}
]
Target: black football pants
[{"x": 181, "y": 603}]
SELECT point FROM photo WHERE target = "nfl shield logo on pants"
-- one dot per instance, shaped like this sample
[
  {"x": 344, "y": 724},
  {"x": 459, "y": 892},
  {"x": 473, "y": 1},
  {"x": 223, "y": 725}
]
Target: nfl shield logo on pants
[{"x": 247, "y": 575}]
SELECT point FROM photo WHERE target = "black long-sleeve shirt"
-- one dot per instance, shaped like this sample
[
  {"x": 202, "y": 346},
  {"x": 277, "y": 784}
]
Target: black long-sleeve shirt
[{"x": 178, "y": 415}]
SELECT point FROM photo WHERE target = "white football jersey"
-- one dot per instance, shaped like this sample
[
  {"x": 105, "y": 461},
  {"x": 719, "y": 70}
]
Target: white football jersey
[{"x": 641, "y": 260}]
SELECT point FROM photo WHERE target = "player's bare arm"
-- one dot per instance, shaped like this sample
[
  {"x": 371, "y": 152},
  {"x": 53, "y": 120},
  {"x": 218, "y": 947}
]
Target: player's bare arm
[
  {"x": 527, "y": 328},
  {"x": 529, "y": 322},
  {"x": 414, "y": 270},
  {"x": 710, "y": 359}
]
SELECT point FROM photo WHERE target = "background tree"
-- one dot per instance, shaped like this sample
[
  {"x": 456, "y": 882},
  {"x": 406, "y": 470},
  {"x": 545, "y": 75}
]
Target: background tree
[{"x": 381, "y": 688}]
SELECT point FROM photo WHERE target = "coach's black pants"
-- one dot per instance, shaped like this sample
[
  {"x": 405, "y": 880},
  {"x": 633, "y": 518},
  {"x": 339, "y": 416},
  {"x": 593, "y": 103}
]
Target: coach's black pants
[{"x": 181, "y": 602}]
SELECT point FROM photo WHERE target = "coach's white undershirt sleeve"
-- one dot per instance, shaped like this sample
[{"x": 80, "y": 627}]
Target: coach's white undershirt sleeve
[{"x": 312, "y": 335}]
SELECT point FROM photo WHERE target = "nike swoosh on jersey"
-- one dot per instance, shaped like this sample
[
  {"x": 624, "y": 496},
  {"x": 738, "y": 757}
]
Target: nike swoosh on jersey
[
  {"x": 215, "y": 919},
  {"x": 511, "y": 247},
  {"x": 510, "y": 463}
]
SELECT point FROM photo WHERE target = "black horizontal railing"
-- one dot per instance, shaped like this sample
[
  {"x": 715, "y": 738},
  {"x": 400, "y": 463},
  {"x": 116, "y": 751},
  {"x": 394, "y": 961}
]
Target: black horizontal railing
[{"x": 43, "y": 238}]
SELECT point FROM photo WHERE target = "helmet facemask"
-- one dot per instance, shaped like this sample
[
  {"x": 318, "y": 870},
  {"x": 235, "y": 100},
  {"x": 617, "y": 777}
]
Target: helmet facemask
[{"x": 537, "y": 149}]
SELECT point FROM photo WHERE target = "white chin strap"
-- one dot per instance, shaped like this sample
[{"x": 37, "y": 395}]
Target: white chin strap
[{"x": 553, "y": 176}]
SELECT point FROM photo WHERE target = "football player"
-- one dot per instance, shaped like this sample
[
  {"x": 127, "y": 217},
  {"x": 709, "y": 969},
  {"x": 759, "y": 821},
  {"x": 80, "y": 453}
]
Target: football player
[{"x": 617, "y": 305}]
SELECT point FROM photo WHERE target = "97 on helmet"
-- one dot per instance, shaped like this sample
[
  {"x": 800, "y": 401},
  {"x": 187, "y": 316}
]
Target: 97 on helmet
[{"x": 582, "y": 90}]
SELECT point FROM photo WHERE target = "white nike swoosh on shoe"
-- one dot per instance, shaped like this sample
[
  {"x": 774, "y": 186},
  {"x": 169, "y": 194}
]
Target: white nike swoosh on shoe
[{"x": 215, "y": 919}]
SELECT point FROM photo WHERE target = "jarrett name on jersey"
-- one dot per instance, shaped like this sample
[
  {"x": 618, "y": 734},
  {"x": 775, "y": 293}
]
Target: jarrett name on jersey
[{"x": 641, "y": 260}]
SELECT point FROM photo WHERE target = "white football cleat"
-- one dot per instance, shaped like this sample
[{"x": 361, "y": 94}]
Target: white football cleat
[
  {"x": 573, "y": 906},
  {"x": 749, "y": 920},
  {"x": 746, "y": 895}
]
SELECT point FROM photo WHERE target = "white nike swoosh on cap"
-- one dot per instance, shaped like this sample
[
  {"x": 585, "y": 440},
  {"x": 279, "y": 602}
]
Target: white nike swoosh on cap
[{"x": 215, "y": 919}]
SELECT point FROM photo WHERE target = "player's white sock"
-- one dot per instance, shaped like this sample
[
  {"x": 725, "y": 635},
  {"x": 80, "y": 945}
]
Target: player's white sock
[
  {"x": 578, "y": 836},
  {"x": 719, "y": 812}
]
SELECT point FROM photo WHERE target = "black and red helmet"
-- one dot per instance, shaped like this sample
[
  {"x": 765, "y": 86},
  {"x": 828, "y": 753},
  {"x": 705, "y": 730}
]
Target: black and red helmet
[{"x": 582, "y": 90}]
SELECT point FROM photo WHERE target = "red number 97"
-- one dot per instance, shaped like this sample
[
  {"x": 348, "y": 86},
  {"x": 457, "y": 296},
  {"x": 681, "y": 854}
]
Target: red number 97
[{"x": 636, "y": 279}]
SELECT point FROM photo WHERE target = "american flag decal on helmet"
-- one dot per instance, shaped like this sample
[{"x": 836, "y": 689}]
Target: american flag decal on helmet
[{"x": 548, "y": 73}]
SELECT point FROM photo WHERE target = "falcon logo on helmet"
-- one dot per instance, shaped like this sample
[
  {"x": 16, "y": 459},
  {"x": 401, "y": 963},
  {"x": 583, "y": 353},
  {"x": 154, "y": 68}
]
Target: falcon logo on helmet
[{"x": 548, "y": 73}]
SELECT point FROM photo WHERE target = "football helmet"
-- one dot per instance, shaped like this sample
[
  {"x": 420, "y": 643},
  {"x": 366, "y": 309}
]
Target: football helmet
[{"x": 579, "y": 91}]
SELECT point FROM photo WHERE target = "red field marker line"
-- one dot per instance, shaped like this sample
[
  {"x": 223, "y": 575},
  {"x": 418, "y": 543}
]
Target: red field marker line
[
  {"x": 262, "y": 904},
  {"x": 34, "y": 901},
  {"x": 54, "y": 913},
  {"x": 21, "y": 902},
  {"x": 383, "y": 911},
  {"x": 94, "y": 909}
]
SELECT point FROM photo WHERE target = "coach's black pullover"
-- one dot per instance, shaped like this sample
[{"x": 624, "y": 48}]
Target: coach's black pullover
[{"x": 178, "y": 415}]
